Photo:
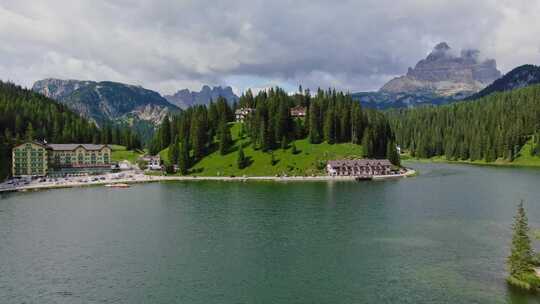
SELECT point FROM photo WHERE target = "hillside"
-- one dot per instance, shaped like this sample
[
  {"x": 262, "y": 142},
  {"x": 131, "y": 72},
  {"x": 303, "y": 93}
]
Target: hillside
[
  {"x": 128, "y": 105},
  {"x": 519, "y": 77},
  {"x": 310, "y": 158},
  {"x": 26, "y": 115},
  {"x": 494, "y": 128}
]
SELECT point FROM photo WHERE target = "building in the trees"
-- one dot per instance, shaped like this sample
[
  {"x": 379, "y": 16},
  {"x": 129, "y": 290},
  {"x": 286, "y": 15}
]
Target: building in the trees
[
  {"x": 298, "y": 112},
  {"x": 359, "y": 167},
  {"x": 153, "y": 162},
  {"x": 37, "y": 159},
  {"x": 241, "y": 114},
  {"x": 29, "y": 159}
]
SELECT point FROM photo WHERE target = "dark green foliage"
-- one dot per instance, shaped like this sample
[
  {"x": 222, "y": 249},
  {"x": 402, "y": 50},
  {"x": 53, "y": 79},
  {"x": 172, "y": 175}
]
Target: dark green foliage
[
  {"x": 165, "y": 133},
  {"x": 392, "y": 154},
  {"x": 331, "y": 116},
  {"x": 519, "y": 77},
  {"x": 25, "y": 114},
  {"x": 496, "y": 126},
  {"x": 520, "y": 261},
  {"x": 225, "y": 138},
  {"x": 183, "y": 158},
  {"x": 284, "y": 143},
  {"x": 174, "y": 152},
  {"x": 241, "y": 160}
]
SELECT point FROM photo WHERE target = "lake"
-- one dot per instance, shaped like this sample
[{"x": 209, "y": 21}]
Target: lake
[{"x": 440, "y": 237}]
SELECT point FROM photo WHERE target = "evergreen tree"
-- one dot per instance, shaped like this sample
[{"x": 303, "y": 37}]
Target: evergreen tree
[
  {"x": 29, "y": 134},
  {"x": 241, "y": 159},
  {"x": 165, "y": 132},
  {"x": 174, "y": 152},
  {"x": 183, "y": 159},
  {"x": 367, "y": 144},
  {"x": 520, "y": 259},
  {"x": 284, "y": 143},
  {"x": 392, "y": 154},
  {"x": 225, "y": 138}
]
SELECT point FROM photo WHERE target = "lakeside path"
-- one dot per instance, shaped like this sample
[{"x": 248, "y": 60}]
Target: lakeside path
[{"x": 142, "y": 178}]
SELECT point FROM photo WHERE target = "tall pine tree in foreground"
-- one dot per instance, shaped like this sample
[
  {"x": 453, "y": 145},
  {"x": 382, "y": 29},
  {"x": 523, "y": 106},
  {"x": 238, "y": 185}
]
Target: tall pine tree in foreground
[{"x": 520, "y": 264}]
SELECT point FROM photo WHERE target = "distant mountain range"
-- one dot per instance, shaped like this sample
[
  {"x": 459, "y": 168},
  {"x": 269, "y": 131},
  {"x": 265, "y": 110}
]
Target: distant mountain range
[
  {"x": 186, "y": 98},
  {"x": 107, "y": 101},
  {"x": 440, "y": 78}
]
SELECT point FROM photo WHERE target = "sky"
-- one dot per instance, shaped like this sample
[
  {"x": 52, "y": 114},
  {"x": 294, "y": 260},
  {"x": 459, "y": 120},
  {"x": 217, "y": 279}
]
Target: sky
[{"x": 170, "y": 45}]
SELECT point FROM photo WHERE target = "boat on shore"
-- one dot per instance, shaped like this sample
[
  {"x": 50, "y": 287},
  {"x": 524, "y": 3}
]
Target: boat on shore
[{"x": 118, "y": 185}]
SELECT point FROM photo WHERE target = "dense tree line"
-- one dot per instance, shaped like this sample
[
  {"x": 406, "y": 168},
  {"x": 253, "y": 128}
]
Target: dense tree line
[
  {"x": 496, "y": 126},
  {"x": 331, "y": 117},
  {"x": 26, "y": 115}
]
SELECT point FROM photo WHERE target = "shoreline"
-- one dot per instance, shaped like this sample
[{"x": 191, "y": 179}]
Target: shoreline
[
  {"x": 142, "y": 178},
  {"x": 481, "y": 164}
]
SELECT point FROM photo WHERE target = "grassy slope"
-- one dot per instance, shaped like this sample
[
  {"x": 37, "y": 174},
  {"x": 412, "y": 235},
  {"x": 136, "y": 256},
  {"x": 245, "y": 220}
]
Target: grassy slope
[
  {"x": 119, "y": 153},
  {"x": 523, "y": 160},
  {"x": 305, "y": 162}
]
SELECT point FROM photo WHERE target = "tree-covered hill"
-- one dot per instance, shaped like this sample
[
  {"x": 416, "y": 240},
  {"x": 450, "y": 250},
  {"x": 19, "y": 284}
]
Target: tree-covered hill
[
  {"x": 519, "y": 77},
  {"x": 495, "y": 127},
  {"x": 194, "y": 136},
  {"x": 26, "y": 115},
  {"x": 106, "y": 101}
]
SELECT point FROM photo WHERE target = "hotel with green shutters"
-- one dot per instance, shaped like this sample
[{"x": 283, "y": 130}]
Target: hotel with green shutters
[
  {"x": 29, "y": 159},
  {"x": 37, "y": 159}
]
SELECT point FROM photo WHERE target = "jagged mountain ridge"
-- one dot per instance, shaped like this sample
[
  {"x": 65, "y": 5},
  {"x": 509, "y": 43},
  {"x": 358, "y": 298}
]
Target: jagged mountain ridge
[
  {"x": 106, "y": 100},
  {"x": 442, "y": 77},
  {"x": 186, "y": 98}
]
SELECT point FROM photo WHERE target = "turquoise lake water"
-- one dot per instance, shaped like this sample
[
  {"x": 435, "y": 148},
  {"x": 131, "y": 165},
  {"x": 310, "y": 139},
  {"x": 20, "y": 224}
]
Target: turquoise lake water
[{"x": 441, "y": 237}]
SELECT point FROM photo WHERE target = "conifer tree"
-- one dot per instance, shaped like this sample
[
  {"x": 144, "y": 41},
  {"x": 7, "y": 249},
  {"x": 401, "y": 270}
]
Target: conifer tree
[
  {"x": 225, "y": 138},
  {"x": 241, "y": 159},
  {"x": 183, "y": 159},
  {"x": 174, "y": 152},
  {"x": 392, "y": 154},
  {"x": 520, "y": 259}
]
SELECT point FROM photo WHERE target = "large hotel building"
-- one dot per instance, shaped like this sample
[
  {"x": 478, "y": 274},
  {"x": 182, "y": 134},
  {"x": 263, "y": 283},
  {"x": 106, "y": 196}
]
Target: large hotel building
[{"x": 39, "y": 159}]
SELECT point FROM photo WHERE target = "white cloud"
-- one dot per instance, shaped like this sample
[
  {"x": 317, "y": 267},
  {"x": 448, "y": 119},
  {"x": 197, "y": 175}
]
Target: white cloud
[{"x": 168, "y": 45}]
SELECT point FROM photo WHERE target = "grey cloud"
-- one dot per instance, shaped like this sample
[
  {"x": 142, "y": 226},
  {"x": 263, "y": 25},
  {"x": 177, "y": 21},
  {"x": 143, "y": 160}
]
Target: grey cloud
[{"x": 167, "y": 45}]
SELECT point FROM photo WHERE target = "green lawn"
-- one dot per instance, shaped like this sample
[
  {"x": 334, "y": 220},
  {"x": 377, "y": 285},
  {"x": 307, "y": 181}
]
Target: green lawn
[
  {"x": 524, "y": 159},
  {"x": 310, "y": 159},
  {"x": 120, "y": 153}
]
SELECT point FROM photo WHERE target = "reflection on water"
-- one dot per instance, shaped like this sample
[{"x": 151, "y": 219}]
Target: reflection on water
[{"x": 441, "y": 237}]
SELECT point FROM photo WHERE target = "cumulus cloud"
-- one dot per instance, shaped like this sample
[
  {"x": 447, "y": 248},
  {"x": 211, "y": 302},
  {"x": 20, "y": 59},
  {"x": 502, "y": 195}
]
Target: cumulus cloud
[{"x": 169, "y": 45}]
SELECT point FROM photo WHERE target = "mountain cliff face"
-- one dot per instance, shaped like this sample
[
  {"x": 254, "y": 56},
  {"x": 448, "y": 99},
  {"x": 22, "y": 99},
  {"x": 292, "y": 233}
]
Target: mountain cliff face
[
  {"x": 444, "y": 74},
  {"x": 106, "y": 100},
  {"x": 519, "y": 77},
  {"x": 186, "y": 98},
  {"x": 442, "y": 77}
]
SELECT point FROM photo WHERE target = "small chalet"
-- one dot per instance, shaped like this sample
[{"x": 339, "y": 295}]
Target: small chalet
[
  {"x": 298, "y": 112},
  {"x": 241, "y": 114},
  {"x": 153, "y": 162},
  {"x": 359, "y": 167}
]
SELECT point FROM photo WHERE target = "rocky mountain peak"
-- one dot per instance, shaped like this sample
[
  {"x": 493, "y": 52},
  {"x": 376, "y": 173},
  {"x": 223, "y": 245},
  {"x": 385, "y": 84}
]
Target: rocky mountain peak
[
  {"x": 185, "y": 98},
  {"x": 444, "y": 73}
]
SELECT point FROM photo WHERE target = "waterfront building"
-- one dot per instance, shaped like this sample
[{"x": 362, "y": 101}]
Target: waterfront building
[
  {"x": 29, "y": 159},
  {"x": 359, "y": 167},
  {"x": 241, "y": 114},
  {"x": 40, "y": 159},
  {"x": 298, "y": 112}
]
